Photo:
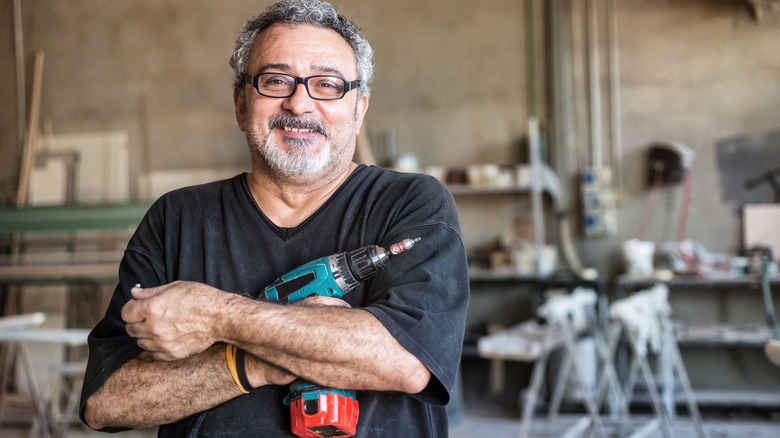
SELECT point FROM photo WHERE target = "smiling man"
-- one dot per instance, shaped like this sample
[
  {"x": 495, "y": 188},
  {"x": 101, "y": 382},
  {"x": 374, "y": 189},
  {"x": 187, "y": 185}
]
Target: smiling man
[
  {"x": 316, "y": 127},
  {"x": 203, "y": 254}
]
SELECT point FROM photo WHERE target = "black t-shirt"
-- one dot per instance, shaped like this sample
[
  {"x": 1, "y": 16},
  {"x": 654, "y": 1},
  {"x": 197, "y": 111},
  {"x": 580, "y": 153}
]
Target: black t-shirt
[{"x": 216, "y": 234}]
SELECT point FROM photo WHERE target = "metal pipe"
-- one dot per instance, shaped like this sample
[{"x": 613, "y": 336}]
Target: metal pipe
[
  {"x": 565, "y": 150},
  {"x": 566, "y": 147},
  {"x": 530, "y": 45},
  {"x": 616, "y": 134},
  {"x": 534, "y": 145},
  {"x": 594, "y": 86},
  {"x": 578, "y": 85}
]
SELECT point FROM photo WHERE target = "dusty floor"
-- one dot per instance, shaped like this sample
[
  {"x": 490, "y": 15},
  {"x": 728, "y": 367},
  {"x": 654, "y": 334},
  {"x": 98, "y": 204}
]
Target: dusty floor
[
  {"x": 482, "y": 426},
  {"x": 486, "y": 427}
]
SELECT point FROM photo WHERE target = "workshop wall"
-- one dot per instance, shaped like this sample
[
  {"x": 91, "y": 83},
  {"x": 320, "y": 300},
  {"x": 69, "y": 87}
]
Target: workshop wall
[
  {"x": 444, "y": 83},
  {"x": 450, "y": 87},
  {"x": 698, "y": 73}
]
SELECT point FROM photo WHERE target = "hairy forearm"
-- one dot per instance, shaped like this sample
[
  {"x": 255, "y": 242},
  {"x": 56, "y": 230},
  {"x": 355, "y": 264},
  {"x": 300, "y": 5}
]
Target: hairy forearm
[
  {"x": 317, "y": 339},
  {"x": 146, "y": 392},
  {"x": 332, "y": 346}
]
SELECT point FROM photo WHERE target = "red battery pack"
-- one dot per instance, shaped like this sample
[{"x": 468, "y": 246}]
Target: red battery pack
[{"x": 329, "y": 415}]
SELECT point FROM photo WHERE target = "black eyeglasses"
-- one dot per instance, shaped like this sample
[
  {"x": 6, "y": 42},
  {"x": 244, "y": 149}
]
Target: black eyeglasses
[{"x": 319, "y": 87}]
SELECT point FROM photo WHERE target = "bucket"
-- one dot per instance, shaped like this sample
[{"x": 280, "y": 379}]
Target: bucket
[{"x": 638, "y": 256}]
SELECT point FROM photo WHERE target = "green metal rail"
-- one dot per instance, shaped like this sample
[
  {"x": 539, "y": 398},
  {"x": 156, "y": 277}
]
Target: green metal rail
[{"x": 71, "y": 218}]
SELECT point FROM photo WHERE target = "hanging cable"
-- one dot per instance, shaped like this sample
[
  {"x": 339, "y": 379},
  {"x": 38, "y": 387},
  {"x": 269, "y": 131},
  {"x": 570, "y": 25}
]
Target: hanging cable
[
  {"x": 689, "y": 259},
  {"x": 655, "y": 195},
  {"x": 684, "y": 204}
]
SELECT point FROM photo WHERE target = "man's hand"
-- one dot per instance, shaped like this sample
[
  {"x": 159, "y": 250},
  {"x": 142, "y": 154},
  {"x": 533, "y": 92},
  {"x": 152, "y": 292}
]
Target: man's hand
[{"x": 173, "y": 321}]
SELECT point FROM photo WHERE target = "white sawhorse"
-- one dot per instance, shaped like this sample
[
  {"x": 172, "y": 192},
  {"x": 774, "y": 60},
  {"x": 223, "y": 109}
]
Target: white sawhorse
[
  {"x": 567, "y": 317},
  {"x": 16, "y": 338},
  {"x": 644, "y": 318}
]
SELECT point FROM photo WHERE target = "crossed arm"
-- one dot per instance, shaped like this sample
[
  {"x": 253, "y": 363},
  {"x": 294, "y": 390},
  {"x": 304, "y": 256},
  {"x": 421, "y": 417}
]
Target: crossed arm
[{"x": 178, "y": 324}]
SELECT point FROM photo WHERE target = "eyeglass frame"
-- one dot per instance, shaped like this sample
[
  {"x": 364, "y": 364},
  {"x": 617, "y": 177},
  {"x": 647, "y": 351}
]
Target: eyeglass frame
[{"x": 348, "y": 85}]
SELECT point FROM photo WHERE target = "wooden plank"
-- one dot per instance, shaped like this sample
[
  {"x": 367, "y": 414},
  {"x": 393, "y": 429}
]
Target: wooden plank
[
  {"x": 19, "y": 322},
  {"x": 71, "y": 337},
  {"x": 28, "y": 156},
  {"x": 92, "y": 272}
]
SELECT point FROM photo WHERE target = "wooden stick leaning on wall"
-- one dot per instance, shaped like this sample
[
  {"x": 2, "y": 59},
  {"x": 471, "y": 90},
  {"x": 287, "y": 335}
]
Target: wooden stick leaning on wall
[
  {"x": 30, "y": 144},
  {"x": 12, "y": 303}
]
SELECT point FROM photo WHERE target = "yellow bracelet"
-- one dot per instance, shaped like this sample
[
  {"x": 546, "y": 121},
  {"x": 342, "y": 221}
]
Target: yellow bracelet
[{"x": 230, "y": 356}]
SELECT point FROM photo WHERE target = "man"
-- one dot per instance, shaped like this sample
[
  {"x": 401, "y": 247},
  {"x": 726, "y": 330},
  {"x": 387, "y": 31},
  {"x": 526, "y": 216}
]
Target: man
[{"x": 202, "y": 254}]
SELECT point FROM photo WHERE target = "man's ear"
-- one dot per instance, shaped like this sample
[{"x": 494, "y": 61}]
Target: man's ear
[
  {"x": 362, "y": 107},
  {"x": 238, "y": 102}
]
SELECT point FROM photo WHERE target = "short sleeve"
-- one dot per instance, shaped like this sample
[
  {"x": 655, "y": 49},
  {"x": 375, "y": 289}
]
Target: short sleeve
[{"x": 422, "y": 297}]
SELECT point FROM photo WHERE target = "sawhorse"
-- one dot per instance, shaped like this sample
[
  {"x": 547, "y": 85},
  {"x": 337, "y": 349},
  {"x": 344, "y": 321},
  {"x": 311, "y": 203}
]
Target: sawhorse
[{"x": 644, "y": 319}]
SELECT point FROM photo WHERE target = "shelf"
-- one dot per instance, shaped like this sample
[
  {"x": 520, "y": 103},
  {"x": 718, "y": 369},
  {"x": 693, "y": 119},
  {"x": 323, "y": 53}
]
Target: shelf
[
  {"x": 626, "y": 283},
  {"x": 686, "y": 281},
  {"x": 465, "y": 189},
  {"x": 738, "y": 397},
  {"x": 724, "y": 335},
  {"x": 550, "y": 281},
  {"x": 546, "y": 182},
  {"x": 487, "y": 276},
  {"x": 728, "y": 398}
]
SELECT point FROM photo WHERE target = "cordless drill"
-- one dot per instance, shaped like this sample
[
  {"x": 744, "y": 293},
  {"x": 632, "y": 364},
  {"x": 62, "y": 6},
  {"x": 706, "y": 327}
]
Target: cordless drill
[{"x": 317, "y": 411}]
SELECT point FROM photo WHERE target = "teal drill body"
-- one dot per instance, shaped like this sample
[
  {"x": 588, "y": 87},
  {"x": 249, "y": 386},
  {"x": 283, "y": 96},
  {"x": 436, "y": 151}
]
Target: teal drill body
[
  {"x": 331, "y": 276},
  {"x": 324, "y": 276}
]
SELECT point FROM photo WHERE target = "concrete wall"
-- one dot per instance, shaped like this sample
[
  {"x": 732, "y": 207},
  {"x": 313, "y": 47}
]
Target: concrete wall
[
  {"x": 450, "y": 84},
  {"x": 696, "y": 72}
]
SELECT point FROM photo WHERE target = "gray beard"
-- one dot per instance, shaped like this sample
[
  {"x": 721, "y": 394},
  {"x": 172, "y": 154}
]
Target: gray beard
[{"x": 298, "y": 160}]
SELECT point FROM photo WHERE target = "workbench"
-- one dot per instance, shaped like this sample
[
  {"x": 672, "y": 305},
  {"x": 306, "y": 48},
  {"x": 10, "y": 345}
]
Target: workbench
[
  {"x": 518, "y": 296},
  {"x": 720, "y": 322},
  {"x": 536, "y": 286}
]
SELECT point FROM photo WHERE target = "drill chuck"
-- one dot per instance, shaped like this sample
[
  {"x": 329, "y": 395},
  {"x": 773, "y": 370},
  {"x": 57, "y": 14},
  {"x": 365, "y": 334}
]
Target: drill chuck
[
  {"x": 352, "y": 268},
  {"x": 367, "y": 261},
  {"x": 359, "y": 265},
  {"x": 342, "y": 274}
]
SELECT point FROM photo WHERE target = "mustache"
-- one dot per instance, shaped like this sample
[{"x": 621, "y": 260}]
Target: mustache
[{"x": 298, "y": 123}]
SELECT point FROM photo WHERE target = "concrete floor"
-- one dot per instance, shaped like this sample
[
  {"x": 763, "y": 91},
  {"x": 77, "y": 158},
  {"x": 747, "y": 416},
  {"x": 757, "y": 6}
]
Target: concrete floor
[{"x": 485, "y": 426}]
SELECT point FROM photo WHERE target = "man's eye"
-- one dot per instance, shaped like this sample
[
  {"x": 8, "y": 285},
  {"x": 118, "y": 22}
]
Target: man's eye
[
  {"x": 274, "y": 82},
  {"x": 329, "y": 84}
]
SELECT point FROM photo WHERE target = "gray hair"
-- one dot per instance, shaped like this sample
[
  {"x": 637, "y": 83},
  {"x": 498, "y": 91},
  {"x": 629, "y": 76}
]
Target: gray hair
[{"x": 294, "y": 12}]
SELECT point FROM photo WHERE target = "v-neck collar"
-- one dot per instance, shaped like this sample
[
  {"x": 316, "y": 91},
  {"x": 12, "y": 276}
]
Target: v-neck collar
[{"x": 286, "y": 233}]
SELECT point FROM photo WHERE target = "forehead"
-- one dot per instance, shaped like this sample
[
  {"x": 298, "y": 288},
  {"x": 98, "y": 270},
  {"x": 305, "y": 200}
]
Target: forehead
[{"x": 302, "y": 50}]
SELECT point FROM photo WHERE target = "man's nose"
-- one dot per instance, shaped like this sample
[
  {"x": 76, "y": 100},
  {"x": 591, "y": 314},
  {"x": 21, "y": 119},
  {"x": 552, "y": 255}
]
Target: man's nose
[{"x": 300, "y": 101}]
